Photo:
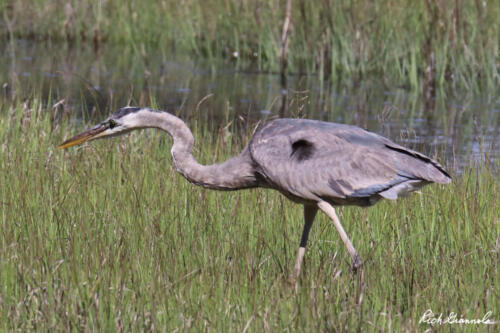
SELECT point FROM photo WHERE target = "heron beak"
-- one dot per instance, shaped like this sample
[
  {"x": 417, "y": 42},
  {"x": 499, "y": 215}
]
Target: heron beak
[{"x": 91, "y": 134}]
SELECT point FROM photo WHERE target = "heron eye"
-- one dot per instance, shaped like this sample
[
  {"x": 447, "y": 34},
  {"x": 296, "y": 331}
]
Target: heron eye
[{"x": 112, "y": 124}]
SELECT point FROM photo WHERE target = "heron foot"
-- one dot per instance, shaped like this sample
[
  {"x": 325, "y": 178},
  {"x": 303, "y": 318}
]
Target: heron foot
[
  {"x": 293, "y": 282},
  {"x": 357, "y": 263}
]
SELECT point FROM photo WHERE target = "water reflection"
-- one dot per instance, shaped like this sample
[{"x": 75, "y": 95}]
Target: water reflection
[{"x": 457, "y": 124}]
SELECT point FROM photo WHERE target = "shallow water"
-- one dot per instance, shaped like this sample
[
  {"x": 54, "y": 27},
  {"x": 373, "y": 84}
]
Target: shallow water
[{"x": 459, "y": 126}]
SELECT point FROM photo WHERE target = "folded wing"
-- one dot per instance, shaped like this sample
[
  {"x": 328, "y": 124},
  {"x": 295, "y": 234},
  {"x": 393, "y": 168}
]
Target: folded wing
[{"x": 314, "y": 160}]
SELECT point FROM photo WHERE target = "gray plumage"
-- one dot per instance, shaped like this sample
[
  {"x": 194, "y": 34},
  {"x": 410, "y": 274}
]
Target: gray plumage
[
  {"x": 315, "y": 163},
  {"x": 310, "y": 160}
]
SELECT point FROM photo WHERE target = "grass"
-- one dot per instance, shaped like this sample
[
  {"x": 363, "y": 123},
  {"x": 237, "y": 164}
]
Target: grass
[
  {"x": 431, "y": 43},
  {"x": 109, "y": 237}
]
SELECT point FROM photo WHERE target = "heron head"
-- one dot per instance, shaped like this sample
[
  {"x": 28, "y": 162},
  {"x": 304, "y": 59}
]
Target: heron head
[{"x": 120, "y": 122}]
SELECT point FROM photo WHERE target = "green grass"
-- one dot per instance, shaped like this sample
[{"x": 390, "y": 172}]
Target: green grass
[
  {"x": 412, "y": 42},
  {"x": 109, "y": 237}
]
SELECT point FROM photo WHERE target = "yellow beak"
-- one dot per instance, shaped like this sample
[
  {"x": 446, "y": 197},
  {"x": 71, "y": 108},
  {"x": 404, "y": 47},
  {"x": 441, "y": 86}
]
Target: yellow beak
[{"x": 85, "y": 136}]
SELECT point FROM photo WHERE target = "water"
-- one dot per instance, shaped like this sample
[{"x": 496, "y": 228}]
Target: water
[{"x": 460, "y": 126}]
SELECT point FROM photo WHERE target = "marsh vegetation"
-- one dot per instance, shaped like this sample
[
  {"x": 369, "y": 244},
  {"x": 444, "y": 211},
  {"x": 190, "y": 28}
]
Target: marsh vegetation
[
  {"x": 108, "y": 237},
  {"x": 434, "y": 42}
]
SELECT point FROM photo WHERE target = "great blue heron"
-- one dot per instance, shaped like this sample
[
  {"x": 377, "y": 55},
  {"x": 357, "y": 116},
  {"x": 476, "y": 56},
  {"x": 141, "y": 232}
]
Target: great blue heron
[{"x": 315, "y": 163}]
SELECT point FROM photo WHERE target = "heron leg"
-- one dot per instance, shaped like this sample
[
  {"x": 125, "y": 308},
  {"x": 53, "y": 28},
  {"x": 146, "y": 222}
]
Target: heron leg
[
  {"x": 309, "y": 214},
  {"x": 330, "y": 211}
]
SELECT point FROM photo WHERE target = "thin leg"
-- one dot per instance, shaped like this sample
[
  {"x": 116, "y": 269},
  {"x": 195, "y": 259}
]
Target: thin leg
[
  {"x": 309, "y": 214},
  {"x": 330, "y": 211}
]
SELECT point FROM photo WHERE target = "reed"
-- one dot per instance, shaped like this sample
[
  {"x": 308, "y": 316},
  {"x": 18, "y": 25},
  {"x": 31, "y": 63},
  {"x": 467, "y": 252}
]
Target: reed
[
  {"x": 109, "y": 237},
  {"x": 412, "y": 42}
]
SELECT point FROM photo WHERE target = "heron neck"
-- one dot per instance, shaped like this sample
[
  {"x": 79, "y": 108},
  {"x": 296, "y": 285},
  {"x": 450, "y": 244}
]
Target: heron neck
[{"x": 235, "y": 173}]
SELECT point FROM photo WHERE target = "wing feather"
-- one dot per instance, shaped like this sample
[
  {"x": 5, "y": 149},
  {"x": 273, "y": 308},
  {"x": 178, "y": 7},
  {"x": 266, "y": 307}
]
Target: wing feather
[{"x": 345, "y": 164}]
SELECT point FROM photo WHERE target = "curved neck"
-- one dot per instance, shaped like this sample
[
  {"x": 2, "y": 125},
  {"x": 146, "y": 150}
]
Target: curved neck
[{"x": 235, "y": 173}]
